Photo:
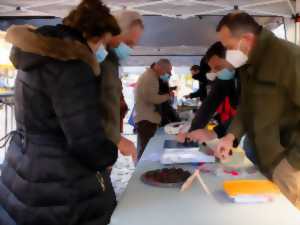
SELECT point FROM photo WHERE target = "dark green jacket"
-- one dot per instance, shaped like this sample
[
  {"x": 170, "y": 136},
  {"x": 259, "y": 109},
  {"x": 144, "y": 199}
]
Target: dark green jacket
[
  {"x": 270, "y": 102},
  {"x": 111, "y": 89}
]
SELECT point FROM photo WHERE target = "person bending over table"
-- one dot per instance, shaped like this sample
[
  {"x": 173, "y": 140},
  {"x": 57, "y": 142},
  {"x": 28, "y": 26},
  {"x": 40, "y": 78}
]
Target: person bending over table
[
  {"x": 223, "y": 98},
  {"x": 167, "y": 112},
  {"x": 55, "y": 169},
  {"x": 147, "y": 96},
  {"x": 199, "y": 74},
  {"x": 269, "y": 112},
  {"x": 111, "y": 97}
]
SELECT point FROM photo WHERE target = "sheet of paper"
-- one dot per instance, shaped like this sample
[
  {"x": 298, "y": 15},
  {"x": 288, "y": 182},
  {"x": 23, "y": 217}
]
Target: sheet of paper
[{"x": 185, "y": 155}]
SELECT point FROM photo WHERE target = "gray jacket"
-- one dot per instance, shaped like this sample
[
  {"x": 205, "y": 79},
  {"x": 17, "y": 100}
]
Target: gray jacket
[
  {"x": 147, "y": 97},
  {"x": 110, "y": 94}
]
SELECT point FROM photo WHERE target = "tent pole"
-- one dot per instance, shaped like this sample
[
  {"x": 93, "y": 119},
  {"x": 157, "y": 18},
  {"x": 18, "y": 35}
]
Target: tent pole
[
  {"x": 297, "y": 6},
  {"x": 291, "y": 7},
  {"x": 297, "y": 30}
]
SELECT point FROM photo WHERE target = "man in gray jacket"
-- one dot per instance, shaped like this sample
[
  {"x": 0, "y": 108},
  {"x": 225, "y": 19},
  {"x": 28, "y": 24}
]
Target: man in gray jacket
[
  {"x": 119, "y": 49},
  {"x": 146, "y": 98}
]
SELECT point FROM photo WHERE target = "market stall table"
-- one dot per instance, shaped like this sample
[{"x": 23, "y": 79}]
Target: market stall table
[{"x": 146, "y": 205}]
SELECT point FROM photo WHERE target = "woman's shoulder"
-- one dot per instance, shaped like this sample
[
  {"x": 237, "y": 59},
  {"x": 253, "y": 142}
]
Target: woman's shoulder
[
  {"x": 46, "y": 42},
  {"x": 71, "y": 72}
]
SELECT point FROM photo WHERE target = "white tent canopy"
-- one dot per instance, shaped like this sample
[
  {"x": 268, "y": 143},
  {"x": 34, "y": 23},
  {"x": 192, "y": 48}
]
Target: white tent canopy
[
  {"x": 182, "y": 41},
  {"x": 169, "y": 8},
  {"x": 179, "y": 29}
]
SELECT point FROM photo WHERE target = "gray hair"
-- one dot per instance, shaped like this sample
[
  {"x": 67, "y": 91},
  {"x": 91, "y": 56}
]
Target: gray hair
[
  {"x": 126, "y": 19},
  {"x": 164, "y": 63}
]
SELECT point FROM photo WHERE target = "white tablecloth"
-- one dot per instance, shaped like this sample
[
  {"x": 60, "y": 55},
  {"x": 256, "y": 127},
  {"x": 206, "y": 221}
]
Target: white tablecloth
[{"x": 145, "y": 205}]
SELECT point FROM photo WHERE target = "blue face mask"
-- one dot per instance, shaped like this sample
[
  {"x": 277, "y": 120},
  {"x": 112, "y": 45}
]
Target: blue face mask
[
  {"x": 101, "y": 54},
  {"x": 123, "y": 51},
  {"x": 226, "y": 74},
  {"x": 165, "y": 77}
]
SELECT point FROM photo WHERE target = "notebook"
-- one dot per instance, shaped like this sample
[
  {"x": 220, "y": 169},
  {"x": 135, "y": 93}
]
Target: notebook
[
  {"x": 173, "y": 144},
  {"x": 251, "y": 191},
  {"x": 191, "y": 152}
]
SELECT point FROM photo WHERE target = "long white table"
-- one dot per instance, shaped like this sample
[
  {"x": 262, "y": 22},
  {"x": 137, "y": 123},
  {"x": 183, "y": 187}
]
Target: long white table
[{"x": 145, "y": 205}]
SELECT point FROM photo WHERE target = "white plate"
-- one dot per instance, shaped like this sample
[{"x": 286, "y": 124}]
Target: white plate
[{"x": 175, "y": 128}]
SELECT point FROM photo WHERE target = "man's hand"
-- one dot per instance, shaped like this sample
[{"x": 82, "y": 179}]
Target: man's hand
[
  {"x": 168, "y": 97},
  {"x": 127, "y": 148},
  {"x": 187, "y": 96},
  {"x": 202, "y": 135},
  {"x": 181, "y": 137},
  {"x": 172, "y": 94},
  {"x": 224, "y": 148}
]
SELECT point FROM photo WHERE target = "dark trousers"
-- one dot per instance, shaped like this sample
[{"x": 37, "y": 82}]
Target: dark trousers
[
  {"x": 249, "y": 150},
  {"x": 145, "y": 131}
]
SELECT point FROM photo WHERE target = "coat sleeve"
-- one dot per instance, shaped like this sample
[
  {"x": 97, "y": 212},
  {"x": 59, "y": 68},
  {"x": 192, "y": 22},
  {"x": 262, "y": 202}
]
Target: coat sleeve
[
  {"x": 236, "y": 127},
  {"x": 293, "y": 88},
  {"x": 75, "y": 98},
  {"x": 209, "y": 106},
  {"x": 110, "y": 93},
  {"x": 221, "y": 129},
  {"x": 201, "y": 92},
  {"x": 196, "y": 94}
]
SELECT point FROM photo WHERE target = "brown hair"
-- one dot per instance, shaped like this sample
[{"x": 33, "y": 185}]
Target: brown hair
[
  {"x": 195, "y": 67},
  {"x": 239, "y": 23},
  {"x": 92, "y": 18}
]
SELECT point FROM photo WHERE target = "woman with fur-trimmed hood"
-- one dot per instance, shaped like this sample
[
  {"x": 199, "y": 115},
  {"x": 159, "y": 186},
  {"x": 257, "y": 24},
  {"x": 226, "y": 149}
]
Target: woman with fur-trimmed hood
[{"x": 55, "y": 168}]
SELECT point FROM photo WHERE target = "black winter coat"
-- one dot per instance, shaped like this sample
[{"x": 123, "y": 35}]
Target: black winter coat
[
  {"x": 167, "y": 112},
  {"x": 203, "y": 81},
  {"x": 55, "y": 167},
  {"x": 202, "y": 91}
]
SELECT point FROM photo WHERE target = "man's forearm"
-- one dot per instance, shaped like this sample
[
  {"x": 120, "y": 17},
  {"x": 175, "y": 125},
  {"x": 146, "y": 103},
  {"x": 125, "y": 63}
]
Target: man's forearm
[{"x": 237, "y": 128}]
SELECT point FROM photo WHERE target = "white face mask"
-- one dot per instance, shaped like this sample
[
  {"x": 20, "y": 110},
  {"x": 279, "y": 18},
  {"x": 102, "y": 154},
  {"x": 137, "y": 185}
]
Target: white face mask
[
  {"x": 211, "y": 76},
  {"x": 236, "y": 57}
]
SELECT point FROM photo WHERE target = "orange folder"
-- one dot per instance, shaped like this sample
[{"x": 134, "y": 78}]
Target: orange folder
[{"x": 236, "y": 188}]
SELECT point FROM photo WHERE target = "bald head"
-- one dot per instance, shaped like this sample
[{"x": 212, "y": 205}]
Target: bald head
[
  {"x": 162, "y": 67},
  {"x": 164, "y": 63}
]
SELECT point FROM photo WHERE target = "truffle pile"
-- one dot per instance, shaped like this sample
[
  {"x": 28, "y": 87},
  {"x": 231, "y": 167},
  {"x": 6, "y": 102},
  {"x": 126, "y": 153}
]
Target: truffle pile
[{"x": 172, "y": 175}]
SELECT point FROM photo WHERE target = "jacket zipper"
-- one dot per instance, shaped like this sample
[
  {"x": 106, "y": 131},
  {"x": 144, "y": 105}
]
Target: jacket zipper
[{"x": 100, "y": 180}]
